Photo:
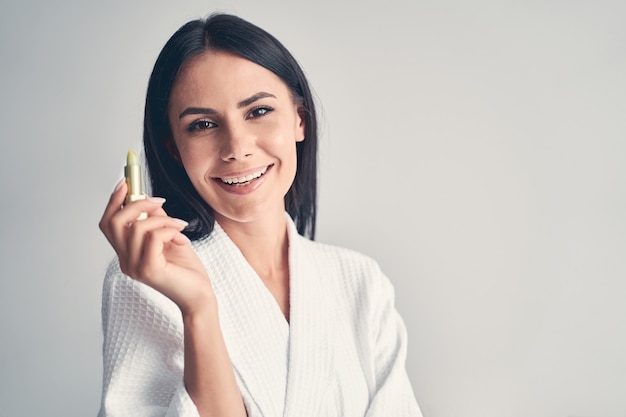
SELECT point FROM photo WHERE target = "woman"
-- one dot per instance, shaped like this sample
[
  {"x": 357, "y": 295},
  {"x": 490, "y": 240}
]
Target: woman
[{"x": 231, "y": 311}]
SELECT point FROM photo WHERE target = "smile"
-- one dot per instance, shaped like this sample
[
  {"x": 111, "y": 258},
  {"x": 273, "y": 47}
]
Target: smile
[{"x": 245, "y": 179}]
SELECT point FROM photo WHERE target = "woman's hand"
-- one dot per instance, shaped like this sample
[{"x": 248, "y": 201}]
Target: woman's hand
[{"x": 155, "y": 252}]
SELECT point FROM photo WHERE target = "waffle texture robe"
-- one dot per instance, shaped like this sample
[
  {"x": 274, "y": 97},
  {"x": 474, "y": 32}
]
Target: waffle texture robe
[{"x": 342, "y": 353}]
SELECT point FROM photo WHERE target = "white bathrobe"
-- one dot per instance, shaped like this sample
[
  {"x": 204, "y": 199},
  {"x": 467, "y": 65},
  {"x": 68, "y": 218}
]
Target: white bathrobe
[{"x": 342, "y": 353}]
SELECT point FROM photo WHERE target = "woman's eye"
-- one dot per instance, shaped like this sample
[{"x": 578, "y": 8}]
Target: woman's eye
[
  {"x": 260, "y": 111},
  {"x": 200, "y": 125}
]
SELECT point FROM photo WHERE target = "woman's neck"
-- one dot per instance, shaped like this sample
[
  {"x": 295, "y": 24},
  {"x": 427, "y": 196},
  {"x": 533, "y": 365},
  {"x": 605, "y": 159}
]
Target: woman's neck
[{"x": 263, "y": 242}]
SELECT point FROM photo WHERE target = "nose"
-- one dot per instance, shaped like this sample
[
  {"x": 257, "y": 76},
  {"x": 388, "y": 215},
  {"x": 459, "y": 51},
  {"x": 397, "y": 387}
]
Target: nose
[{"x": 238, "y": 143}]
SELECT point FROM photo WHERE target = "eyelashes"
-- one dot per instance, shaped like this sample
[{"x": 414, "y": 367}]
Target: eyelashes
[
  {"x": 259, "y": 111},
  {"x": 199, "y": 125},
  {"x": 205, "y": 124}
]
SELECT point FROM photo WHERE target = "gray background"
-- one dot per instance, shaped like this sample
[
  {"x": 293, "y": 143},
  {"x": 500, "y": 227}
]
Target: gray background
[{"x": 476, "y": 149}]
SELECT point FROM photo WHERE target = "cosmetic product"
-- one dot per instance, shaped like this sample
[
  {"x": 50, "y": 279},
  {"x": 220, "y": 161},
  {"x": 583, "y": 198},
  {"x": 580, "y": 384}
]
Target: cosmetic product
[{"x": 132, "y": 172}]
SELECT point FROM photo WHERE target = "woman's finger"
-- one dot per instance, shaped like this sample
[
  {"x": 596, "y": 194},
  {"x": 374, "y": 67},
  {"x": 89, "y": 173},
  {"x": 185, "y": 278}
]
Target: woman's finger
[
  {"x": 139, "y": 232},
  {"x": 114, "y": 204},
  {"x": 154, "y": 257},
  {"x": 134, "y": 209},
  {"x": 118, "y": 224}
]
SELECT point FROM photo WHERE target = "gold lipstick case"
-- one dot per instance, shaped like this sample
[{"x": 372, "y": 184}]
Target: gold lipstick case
[{"x": 132, "y": 172}]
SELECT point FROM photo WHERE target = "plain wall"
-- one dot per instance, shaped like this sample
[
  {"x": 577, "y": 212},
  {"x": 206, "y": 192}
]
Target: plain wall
[{"x": 476, "y": 149}]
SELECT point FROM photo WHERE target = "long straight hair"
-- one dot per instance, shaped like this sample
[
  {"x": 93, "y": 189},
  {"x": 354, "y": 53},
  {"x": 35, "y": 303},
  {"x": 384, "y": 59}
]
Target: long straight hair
[{"x": 227, "y": 33}]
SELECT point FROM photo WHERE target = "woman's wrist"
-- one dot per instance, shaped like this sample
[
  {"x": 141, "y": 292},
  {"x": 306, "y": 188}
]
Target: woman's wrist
[{"x": 203, "y": 306}]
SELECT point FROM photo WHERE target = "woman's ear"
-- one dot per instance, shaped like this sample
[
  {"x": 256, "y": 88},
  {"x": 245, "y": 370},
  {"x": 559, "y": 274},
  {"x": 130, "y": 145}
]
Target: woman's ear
[{"x": 301, "y": 123}]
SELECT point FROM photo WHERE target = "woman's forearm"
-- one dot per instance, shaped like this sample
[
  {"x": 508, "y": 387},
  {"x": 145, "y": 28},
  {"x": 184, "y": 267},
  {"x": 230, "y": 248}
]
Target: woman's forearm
[{"x": 209, "y": 377}]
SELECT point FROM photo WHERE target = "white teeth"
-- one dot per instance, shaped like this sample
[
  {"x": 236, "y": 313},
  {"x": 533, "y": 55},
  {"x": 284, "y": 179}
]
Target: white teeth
[{"x": 241, "y": 180}]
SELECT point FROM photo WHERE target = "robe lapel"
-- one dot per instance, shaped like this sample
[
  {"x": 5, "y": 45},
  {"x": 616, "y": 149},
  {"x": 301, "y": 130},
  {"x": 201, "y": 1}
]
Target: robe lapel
[
  {"x": 255, "y": 331},
  {"x": 311, "y": 330}
]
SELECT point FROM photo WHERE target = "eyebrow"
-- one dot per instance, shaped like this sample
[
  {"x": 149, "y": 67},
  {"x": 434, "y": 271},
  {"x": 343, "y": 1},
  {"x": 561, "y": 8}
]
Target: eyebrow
[
  {"x": 242, "y": 103},
  {"x": 196, "y": 110},
  {"x": 254, "y": 98}
]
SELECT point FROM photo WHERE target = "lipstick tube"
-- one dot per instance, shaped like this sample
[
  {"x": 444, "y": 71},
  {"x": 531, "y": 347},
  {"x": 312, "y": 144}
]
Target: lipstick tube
[{"x": 132, "y": 172}]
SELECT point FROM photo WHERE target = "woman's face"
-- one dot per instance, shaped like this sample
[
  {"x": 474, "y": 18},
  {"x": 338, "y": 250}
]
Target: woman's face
[{"x": 235, "y": 127}]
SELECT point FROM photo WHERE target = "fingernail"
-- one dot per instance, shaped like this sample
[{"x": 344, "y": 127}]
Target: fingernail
[
  {"x": 119, "y": 184},
  {"x": 181, "y": 222},
  {"x": 159, "y": 200}
]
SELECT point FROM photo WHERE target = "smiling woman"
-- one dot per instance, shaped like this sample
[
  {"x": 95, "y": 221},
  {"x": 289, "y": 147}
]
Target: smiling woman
[
  {"x": 217, "y": 303},
  {"x": 236, "y": 136}
]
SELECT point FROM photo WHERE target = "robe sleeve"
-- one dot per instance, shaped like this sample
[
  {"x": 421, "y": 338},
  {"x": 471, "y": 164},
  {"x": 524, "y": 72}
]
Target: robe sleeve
[
  {"x": 393, "y": 394},
  {"x": 142, "y": 352}
]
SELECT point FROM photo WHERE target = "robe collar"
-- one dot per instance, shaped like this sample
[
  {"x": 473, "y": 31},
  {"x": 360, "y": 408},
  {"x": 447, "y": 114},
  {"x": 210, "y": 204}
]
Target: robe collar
[{"x": 284, "y": 368}]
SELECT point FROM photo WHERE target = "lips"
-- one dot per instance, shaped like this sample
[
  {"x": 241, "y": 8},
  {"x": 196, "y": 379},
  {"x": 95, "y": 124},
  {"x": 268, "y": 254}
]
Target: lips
[{"x": 245, "y": 179}]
